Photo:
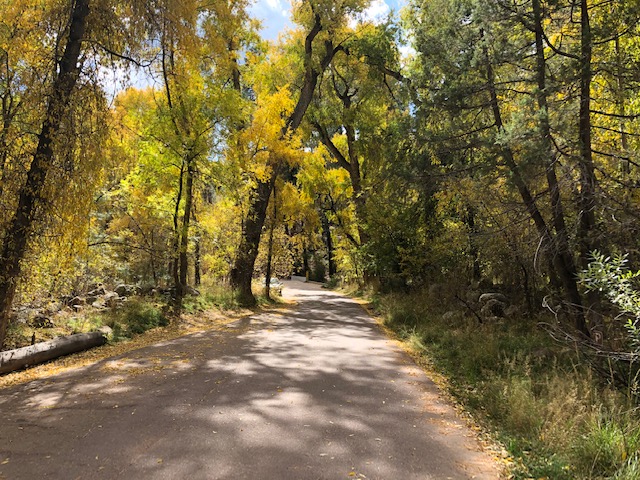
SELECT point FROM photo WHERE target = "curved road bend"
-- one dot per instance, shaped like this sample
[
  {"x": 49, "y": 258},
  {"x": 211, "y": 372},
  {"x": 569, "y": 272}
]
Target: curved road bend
[{"x": 315, "y": 393}]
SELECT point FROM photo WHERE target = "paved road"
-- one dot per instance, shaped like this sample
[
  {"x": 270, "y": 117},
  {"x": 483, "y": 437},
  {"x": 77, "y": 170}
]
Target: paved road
[{"x": 314, "y": 393}]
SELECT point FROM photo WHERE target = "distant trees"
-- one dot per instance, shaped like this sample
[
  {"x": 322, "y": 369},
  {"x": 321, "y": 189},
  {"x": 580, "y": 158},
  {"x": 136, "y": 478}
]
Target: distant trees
[{"x": 501, "y": 150}]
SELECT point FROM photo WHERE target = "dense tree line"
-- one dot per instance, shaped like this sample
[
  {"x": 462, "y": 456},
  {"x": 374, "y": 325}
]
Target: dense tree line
[{"x": 500, "y": 151}]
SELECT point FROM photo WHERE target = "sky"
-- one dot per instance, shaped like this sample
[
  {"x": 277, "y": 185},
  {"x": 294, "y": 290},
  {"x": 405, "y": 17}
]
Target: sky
[{"x": 276, "y": 14}]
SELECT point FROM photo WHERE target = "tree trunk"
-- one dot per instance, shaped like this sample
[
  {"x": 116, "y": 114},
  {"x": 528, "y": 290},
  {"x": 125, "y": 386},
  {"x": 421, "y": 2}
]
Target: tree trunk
[
  {"x": 183, "y": 256},
  {"x": 267, "y": 285},
  {"x": 562, "y": 255},
  {"x": 326, "y": 233},
  {"x": 43, "y": 352},
  {"x": 625, "y": 165},
  {"x": 21, "y": 225},
  {"x": 559, "y": 262},
  {"x": 242, "y": 271},
  {"x": 587, "y": 201},
  {"x": 470, "y": 220}
]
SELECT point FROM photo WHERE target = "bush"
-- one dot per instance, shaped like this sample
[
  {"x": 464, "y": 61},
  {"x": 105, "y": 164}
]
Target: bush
[
  {"x": 552, "y": 415},
  {"x": 138, "y": 316}
]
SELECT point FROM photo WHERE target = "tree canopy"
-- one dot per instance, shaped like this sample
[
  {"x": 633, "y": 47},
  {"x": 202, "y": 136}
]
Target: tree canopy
[{"x": 462, "y": 142}]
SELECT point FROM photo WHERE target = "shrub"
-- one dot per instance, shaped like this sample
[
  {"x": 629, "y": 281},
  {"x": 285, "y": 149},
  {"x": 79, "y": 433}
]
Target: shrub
[{"x": 138, "y": 316}]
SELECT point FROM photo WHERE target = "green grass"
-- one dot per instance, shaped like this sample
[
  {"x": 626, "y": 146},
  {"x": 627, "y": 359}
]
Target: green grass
[
  {"x": 549, "y": 411},
  {"x": 136, "y": 316}
]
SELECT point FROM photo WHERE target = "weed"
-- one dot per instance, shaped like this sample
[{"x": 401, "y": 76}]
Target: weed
[
  {"x": 135, "y": 317},
  {"x": 545, "y": 406}
]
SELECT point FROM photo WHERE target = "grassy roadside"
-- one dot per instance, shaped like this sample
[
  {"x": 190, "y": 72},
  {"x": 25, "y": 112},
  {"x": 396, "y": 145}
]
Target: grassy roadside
[
  {"x": 554, "y": 417},
  {"x": 141, "y": 322}
]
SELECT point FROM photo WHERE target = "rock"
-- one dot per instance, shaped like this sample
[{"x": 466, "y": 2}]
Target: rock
[
  {"x": 486, "y": 297},
  {"x": 42, "y": 321},
  {"x": 472, "y": 296},
  {"x": 96, "y": 292},
  {"x": 66, "y": 300},
  {"x": 91, "y": 299},
  {"x": 77, "y": 308},
  {"x": 493, "y": 308},
  {"x": 512, "y": 311},
  {"x": 106, "y": 331},
  {"x": 77, "y": 301},
  {"x": 94, "y": 286},
  {"x": 99, "y": 304},
  {"x": 125, "y": 290},
  {"x": 193, "y": 292},
  {"x": 448, "y": 316},
  {"x": 111, "y": 299}
]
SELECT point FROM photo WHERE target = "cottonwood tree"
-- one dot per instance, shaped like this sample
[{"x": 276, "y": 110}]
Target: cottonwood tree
[{"x": 315, "y": 46}]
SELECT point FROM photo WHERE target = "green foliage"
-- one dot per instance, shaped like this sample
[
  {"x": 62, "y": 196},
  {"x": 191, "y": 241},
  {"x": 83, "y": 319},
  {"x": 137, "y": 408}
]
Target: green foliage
[
  {"x": 135, "y": 317},
  {"x": 612, "y": 277},
  {"x": 212, "y": 295},
  {"x": 606, "y": 445},
  {"x": 553, "y": 417}
]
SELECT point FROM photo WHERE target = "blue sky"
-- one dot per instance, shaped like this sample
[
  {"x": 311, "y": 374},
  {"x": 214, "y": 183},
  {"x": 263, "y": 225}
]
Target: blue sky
[{"x": 275, "y": 14}]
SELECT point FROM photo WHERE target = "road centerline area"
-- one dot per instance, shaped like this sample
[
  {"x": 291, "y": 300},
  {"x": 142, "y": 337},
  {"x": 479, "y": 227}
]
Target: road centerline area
[{"x": 315, "y": 393}]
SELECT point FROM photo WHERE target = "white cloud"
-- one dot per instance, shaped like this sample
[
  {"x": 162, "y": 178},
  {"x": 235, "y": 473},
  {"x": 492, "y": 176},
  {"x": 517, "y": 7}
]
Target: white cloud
[
  {"x": 375, "y": 13},
  {"x": 274, "y": 4}
]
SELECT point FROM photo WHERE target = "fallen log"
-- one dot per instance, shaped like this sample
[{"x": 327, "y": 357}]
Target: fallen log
[{"x": 12, "y": 360}]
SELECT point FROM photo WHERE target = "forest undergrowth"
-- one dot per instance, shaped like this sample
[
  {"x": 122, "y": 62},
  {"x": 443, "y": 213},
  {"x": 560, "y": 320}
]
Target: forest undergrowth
[
  {"x": 141, "y": 321},
  {"x": 553, "y": 415}
]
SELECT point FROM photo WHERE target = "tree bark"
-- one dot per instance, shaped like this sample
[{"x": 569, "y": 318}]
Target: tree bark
[
  {"x": 242, "y": 271},
  {"x": 21, "y": 225},
  {"x": 12, "y": 360},
  {"x": 267, "y": 285},
  {"x": 183, "y": 256},
  {"x": 587, "y": 200},
  {"x": 563, "y": 258},
  {"x": 554, "y": 251}
]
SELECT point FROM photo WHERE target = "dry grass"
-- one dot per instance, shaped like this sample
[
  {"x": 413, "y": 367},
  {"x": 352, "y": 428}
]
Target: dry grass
[{"x": 212, "y": 319}]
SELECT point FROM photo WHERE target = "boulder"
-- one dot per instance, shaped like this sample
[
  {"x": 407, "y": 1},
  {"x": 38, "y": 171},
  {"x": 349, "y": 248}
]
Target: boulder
[
  {"x": 124, "y": 290},
  {"x": 66, "y": 300},
  {"x": 193, "y": 292},
  {"x": 493, "y": 308},
  {"x": 111, "y": 299},
  {"x": 96, "y": 292},
  {"x": 40, "y": 320},
  {"x": 486, "y": 297},
  {"x": 75, "y": 301},
  {"x": 512, "y": 311},
  {"x": 106, "y": 331},
  {"x": 448, "y": 316},
  {"x": 91, "y": 299}
]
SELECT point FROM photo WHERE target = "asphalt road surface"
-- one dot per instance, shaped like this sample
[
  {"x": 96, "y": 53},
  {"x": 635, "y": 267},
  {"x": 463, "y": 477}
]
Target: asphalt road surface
[{"x": 317, "y": 392}]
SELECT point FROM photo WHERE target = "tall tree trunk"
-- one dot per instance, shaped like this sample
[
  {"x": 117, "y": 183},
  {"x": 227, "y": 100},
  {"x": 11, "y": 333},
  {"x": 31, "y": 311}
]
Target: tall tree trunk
[
  {"x": 21, "y": 225},
  {"x": 470, "y": 220},
  {"x": 175, "y": 253},
  {"x": 242, "y": 271},
  {"x": 625, "y": 165},
  {"x": 352, "y": 166},
  {"x": 326, "y": 233},
  {"x": 272, "y": 226},
  {"x": 183, "y": 256},
  {"x": 587, "y": 201},
  {"x": 563, "y": 257},
  {"x": 553, "y": 252}
]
